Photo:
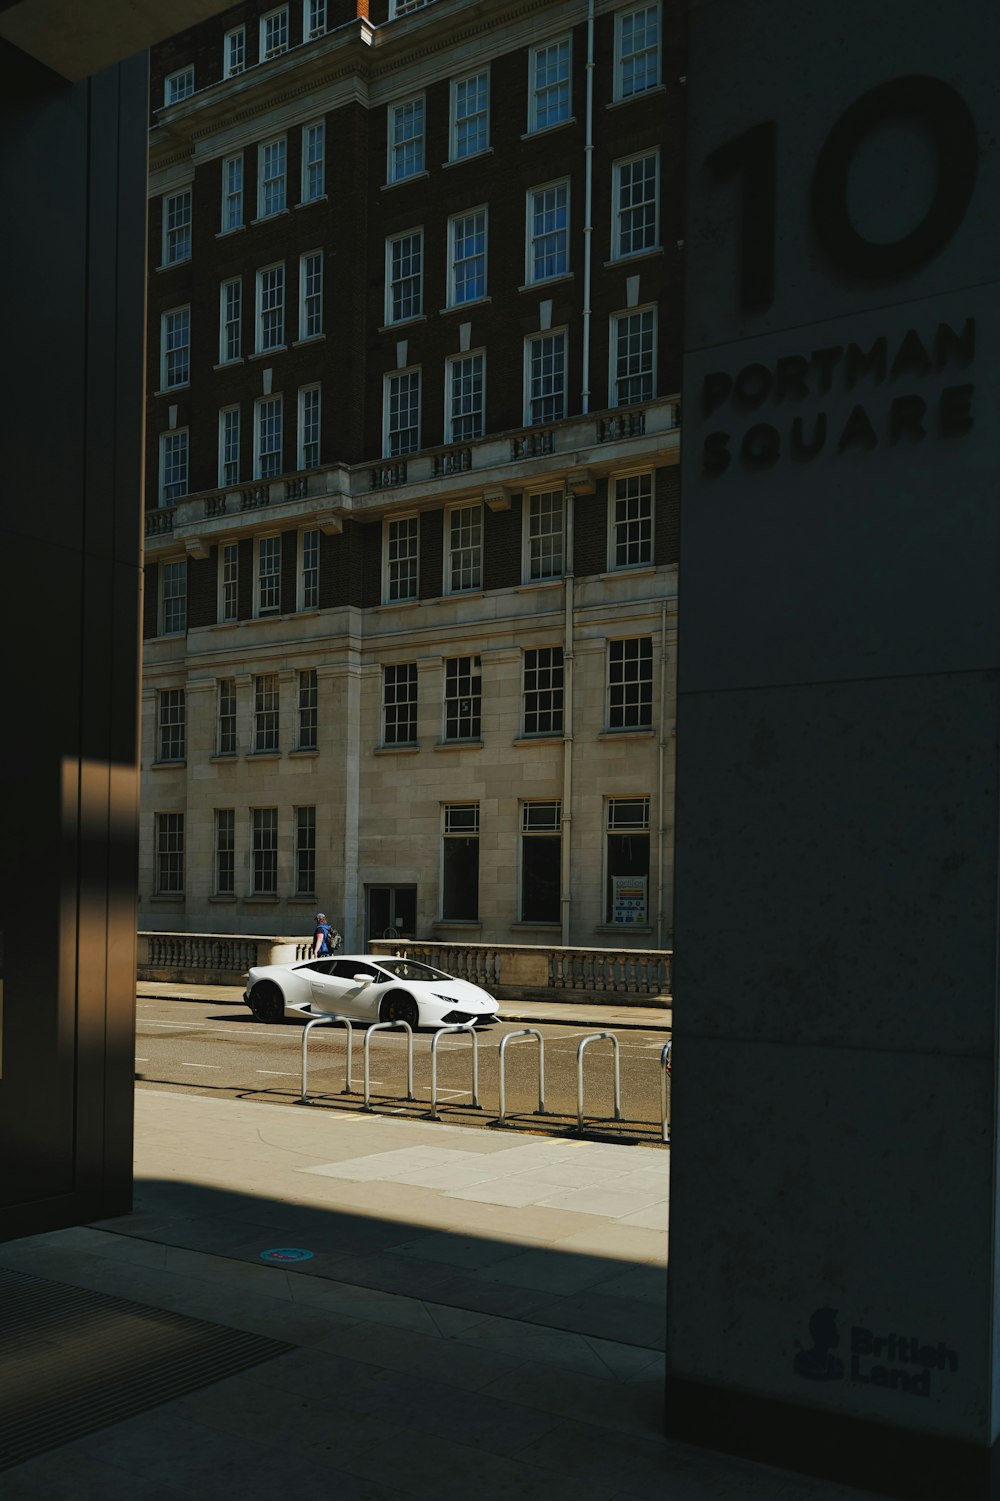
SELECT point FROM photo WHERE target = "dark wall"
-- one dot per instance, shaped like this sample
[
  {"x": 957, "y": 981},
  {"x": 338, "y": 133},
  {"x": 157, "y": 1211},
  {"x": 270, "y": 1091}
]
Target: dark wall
[{"x": 70, "y": 512}]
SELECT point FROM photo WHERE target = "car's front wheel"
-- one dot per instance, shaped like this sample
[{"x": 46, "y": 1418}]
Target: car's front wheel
[
  {"x": 266, "y": 1002},
  {"x": 397, "y": 1006}
]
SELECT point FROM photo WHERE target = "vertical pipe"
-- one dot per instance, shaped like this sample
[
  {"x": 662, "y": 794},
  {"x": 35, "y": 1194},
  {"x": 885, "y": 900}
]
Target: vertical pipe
[
  {"x": 660, "y": 811},
  {"x": 588, "y": 204},
  {"x": 566, "y": 847}
]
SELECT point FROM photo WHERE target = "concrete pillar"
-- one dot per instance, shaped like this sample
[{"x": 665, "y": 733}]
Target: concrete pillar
[{"x": 833, "y": 1286}]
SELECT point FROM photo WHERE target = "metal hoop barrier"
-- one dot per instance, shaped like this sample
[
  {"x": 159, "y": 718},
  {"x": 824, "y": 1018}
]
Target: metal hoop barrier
[
  {"x": 664, "y": 1071},
  {"x": 509, "y": 1037},
  {"x": 325, "y": 1021},
  {"x": 388, "y": 1027},
  {"x": 597, "y": 1037},
  {"x": 470, "y": 1028}
]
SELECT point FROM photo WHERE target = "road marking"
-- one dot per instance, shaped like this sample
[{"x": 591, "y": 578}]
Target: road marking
[
  {"x": 291, "y": 1072},
  {"x": 216, "y": 1066},
  {"x": 140, "y": 1060}
]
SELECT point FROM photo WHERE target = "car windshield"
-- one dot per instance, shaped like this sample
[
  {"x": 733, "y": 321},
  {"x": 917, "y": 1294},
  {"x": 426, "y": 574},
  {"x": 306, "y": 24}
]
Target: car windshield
[{"x": 409, "y": 969}]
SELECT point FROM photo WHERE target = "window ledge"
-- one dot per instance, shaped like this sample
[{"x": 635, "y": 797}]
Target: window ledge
[
  {"x": 263, "y": 899},
  {"x": 398, "y": 604},
  {"x": 641, "y": 570},
  {"x": 533, "y": 585},
  {"x": 659, "y": 88},
  {"x": 228, "y": 364},
  {"x": 185, "y": 385},
  {"x": 458, "y": 745},
  {"x": 461, "y": 307},
  {"x": 265, "y": 354},
  {"x": 174, "y": 900},
  {"x": 388, "y": 328},
  {"x": 458, "y": 922},
  {"x": 304, "y": 753},
  {"x": 628, "y": 732},
  {"x": 548, "y": 281},
  {"x": 167, "y": 765},
  {"x": 237, "y": 229},
  {"x": 270, "y": 755},
  {"x": 222, "y": 900},
  {"x": 225, "y": 756},
  {"x": 475, "y": 156},
  {"x": 226, "y": 625},
  {"x": 409, "y": 748},
  {"x": 636, "y": 255},
  {"x": 541, "y": 924},
  {"x": 464, "y": 594},
  {"x": 268, "y": 218},
  {"x": 308, "y": 202},
  {"x": 413, "y": 177},
  {"x": 546, "y": 130},
  {"x": 309, "y": 339},
  {"x": 526, "y": 741},
  {"x": 169, "y": 265},
  {"x": 624, "y": 927}
]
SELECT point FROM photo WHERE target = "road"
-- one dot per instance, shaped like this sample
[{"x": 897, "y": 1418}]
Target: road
[{"x": 205, "y": 1047}]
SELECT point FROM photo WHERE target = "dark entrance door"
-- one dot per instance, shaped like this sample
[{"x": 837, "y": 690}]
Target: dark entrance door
[{"x": 390, "y": 912}]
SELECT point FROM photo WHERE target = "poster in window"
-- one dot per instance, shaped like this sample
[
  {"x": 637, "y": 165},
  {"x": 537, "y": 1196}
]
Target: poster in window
[{"x": 628, "y": 899}]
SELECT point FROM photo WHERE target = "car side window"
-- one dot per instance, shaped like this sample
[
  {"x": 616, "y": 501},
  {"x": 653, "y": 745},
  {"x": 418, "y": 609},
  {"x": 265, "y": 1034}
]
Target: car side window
[
  {"x": 346, "y": 969},
  {"x": 321, "y": 966}
]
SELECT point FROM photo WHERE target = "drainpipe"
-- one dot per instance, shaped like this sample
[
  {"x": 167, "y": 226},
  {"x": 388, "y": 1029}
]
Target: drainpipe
[
  {"x": 661, "y": 820},
  {"x": 565, "y": 886},
  {"x": 588, "y": 204}
]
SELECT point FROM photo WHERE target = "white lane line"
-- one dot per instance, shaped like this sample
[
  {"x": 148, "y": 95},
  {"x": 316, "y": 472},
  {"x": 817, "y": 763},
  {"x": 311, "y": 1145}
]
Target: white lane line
[
  {"x": 216, "y": 1066},
  {"x": 291, "y": 1072},
  {"x": 140, "y": 1060}
]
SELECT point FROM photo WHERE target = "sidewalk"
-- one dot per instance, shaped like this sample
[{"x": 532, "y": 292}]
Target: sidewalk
[
  {"x": 569, "y": 1013},
  {"x": 474, "y": 1312}
]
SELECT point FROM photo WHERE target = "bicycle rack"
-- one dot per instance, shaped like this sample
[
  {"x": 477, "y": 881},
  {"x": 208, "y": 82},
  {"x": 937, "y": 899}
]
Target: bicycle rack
[
  {"x": 325, "y": 1021},
  {"x": 665, "y": 1069},
  {"x": 508, "y": 1037},
  {"x": 597, "y": 1037},
  {"x": 388, "y": 1027},
  {"x": 470, "y": 1028}
]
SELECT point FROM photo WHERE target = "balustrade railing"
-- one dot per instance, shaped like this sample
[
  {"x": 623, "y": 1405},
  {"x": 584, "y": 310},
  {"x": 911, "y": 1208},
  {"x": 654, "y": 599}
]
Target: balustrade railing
[
  {"x": 512, "y": 970},
  {"x": 628, "y": 424},
  {"x": 451, "y": 461},
  {"x": 213, "y": 958},
  {"x": 385, "y": 476},
  {"x": 160, "y": 521},
  {"x": 532, "y": 443}
]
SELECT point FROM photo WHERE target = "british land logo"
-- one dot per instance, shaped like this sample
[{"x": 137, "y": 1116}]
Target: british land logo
[{"x": 892, "y": 1361}]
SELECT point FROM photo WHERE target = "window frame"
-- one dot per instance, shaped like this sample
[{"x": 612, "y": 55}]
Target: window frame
[
  {"x": 225, "y": 435},
  {"x": 388, "y": 561},
  {"x": 450, "y": 550},
  {"x": 306, "y": 588},
  {"x": 184, "y": 313},
  {"x": 226, "y": 615},
  {"x": 410, "y": 372},
  {"x": 451, "y": 365},
  {"x": 310, "y": 29},
  {"x": 474, "y": 715},
  {"x": 454, "y": 155},
  {"x": 527, "y": 575},
  {"x": 393, "y": 146},
  {"x": 457, "y": 833},
  {"x": 266, "y": 713},
  {"x": 224, "y": 852},
  {"x": 267, "y": 53},
  {"x": 186, "y": 72},
  {"x": 185, "y": 226},
  {"x": 272, "y": 576},
  {"x": 275, "y": 400},
  {"x": 311, "y": 309},
  {"x": 174, "y": 435},
  {"x": 237, "y": 34},
  {"x": 620, "y": 96},
  {"x": 530, "y": 420},
  {"x": 306, "y": 164},
  {"x": 232, "y": 214},
  {"x": 644, "y": 700},
  {"x": 279, "y": 311},
  {"x": 226, "y": 718},
  {"x": 304, "y": 849},
  {"x": 230, "y": 328},
  {"x": 614, "y": 380},
  {"x": 391, "y": 282},
  {"x": 307, "y": 710},
  {"x": 531, "y": 239},
  {"x": 643, "y": 830},
  {"x": 409, "y": 703},
  {"x": 453, "y": 222},
  {"x": 171, "y": 726},
  {"x": 304, "y": 459},
  {"x": 280, "y": 142},
  {"x": 646, "y": 544},
  {"x": 617, "y": 212},
  {"x": 556, "y": 708},
  {"x": 166, "y": 826},
  {"x": 533, "y": 90},
  {"x": 550, "y": 833},
  {"x": 263, "y": 856}
]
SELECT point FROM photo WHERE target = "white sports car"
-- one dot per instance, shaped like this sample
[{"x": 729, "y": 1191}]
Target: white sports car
[{"x": 367, "y": 988}]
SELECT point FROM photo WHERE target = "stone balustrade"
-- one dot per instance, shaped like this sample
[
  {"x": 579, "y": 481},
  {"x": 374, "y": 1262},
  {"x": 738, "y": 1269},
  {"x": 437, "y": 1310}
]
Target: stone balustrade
[{"x": 212, "y": 958}]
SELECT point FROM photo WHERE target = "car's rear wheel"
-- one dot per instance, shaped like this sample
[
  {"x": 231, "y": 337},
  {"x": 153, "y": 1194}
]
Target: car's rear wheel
[
  {"x": 266, "y": 1002},
  {"x": 397, "y": 1006}
]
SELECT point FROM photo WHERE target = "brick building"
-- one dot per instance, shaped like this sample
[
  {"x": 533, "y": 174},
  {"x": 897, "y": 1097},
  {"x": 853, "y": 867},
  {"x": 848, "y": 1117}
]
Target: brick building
[{"x": 412, "y": 501}]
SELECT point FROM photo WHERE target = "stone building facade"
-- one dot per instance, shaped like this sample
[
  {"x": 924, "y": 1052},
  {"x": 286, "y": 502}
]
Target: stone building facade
[{"x": 412, "y": 500}]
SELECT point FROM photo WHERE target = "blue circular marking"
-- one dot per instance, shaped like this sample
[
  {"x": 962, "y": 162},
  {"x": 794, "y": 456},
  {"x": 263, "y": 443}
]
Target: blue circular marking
[{"x": 286, "y": 1253}]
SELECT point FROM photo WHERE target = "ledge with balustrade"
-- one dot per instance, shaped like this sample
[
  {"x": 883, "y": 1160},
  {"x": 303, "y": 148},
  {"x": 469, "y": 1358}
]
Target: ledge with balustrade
[
  {"x": 620, "y": 977},
  {"x": 500, "y": 462}
]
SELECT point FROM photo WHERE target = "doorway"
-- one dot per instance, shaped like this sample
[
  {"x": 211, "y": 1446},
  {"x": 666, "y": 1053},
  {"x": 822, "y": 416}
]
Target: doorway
[{"x": 390, "y": 912}]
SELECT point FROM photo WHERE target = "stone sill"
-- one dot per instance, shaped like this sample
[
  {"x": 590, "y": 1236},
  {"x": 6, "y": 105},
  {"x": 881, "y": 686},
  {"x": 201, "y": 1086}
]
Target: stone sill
[{"x": 458, "y": 745}]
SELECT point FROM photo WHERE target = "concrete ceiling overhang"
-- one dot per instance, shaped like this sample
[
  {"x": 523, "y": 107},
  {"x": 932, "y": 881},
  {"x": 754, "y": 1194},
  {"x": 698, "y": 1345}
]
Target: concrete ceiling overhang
[{"x": 77, "y": 38}]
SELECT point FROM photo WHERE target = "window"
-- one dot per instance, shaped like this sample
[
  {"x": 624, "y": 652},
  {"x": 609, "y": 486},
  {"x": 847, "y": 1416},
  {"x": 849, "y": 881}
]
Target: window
[
  {"x": 401, "y": 543},
  {"x": 178, "y": 86},
  {"x": 225, "y": 851},
  {"x": 173, "y": 594},
  {"x": 406, "y": 139},
  {"x": 543, "y": 691},
  {"x": 172, "y": 745},
  {"x": 464, "y": 549},
  {"x": 177, "y": 227},
  {"x": 467, "y": 257},
  {"x": 229, "y": 573},
  {"x": 465, "y": 398},
  {"x": 460, "y": 863},
  {"x": 173, "y": 466},
  {"x": 631, "y": 522},
  {"x": 313, "y": 161},
  {"x": 634, "y": 209},
  {"x": 230, "y": 320},
  {"x": 175, "y": 348},
  {"x": 226, "y": 740},
  {"x": 637, "y": 51},
  {"x": 402, "y": 413},
  {"x": 232, "y": 193},
  {"x": 548, "y": 232},
  {"x": 170, "y": 854},
  {"x": 270, "y": 308},
  {"x": 630, "y": 683},
  {"x": 271, "y": 161},
  {"x": 633, "y": 357},
  {"x": 229, "y": 448},
  {"x": 627, "y": 878},
  {"x": 305, "y": 851},
  {"x": 308, "y": 425},
  {"x": 264, "y": 851},
  {"x": 311, "y": 294},
  {"x": 314, "y": 23},
  {"x": 309, "y": 569},
  {"x": 541, "y": 861},
  {"x": 234, "y": 51},
  {"x": 544, "y": 521},
  {"x": 274, "y": 33},
  {"x": 549, "y": 85},
  {"x": 545, "y": 377},
  {"x": 399, "y": 704},
  {"x": 267, "y": 438},
  {"x": 265, "y": 712},
  {"x": 404, "y": 276},
  {"x": 470, "y": 115},
  {"x": 268, "y": 575},
  {"x": 463, "y": 698},
  {"x": 308, "y": 710}
]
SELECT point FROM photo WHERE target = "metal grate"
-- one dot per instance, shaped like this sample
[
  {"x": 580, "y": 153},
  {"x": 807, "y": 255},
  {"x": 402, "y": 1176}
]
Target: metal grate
[{"x": 75, "y": 1361}]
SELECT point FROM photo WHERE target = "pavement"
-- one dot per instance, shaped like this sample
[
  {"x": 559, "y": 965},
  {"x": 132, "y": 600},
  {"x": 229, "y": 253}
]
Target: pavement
[
  {"x": 572, "y": 1013},
  {"x": 444, "y": 1311}
]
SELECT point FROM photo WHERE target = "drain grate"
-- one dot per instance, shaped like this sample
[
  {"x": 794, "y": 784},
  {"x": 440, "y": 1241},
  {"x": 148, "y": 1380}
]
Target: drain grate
[{"x": 75, "y": 1361}]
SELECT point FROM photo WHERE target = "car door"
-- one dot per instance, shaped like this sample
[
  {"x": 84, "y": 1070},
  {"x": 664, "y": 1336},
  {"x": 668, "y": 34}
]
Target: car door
[
  {"x": 354, "y": 998},
  {"x": 326, "y": 986}
]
